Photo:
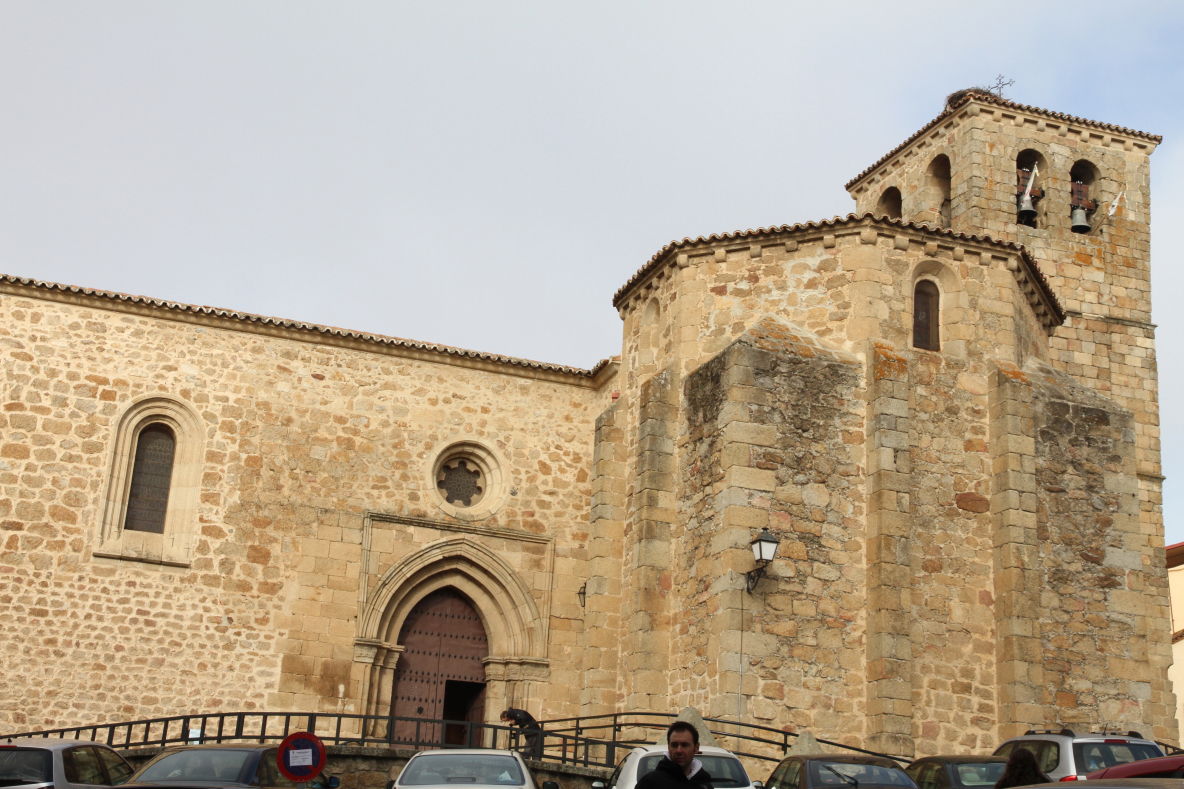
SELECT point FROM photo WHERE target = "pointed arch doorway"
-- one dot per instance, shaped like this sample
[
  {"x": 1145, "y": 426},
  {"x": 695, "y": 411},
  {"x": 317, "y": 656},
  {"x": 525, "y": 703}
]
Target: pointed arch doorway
[{"x": 441, "y": 672}]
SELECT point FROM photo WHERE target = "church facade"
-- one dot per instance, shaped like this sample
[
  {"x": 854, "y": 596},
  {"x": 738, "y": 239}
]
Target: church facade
[{"x": 944, "y": 406}]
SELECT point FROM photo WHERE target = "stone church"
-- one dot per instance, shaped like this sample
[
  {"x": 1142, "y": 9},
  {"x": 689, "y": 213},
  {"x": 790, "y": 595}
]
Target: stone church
[{"x": 943, "y": 406}]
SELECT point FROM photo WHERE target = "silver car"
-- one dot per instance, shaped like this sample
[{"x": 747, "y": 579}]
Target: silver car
[
  {"x": 1064, "y": 755},
  {"x": 725, "y": 769},
  {"x": 40, "y": 763},
  {"x": 475, "y": 768}
]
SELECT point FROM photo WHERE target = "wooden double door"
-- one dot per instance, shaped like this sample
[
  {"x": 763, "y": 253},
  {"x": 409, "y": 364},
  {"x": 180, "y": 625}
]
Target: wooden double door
[{"x": 440, "y": 674}]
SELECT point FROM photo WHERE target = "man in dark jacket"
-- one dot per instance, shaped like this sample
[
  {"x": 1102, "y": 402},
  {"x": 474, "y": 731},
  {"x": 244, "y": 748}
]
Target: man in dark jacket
[
  {"x": 530, "y": 728},
  {"x": 678, "y": 769}
]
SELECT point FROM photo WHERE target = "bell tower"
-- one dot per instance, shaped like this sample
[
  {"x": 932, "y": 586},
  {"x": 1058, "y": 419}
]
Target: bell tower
[{"x": 1075, "y": 193}]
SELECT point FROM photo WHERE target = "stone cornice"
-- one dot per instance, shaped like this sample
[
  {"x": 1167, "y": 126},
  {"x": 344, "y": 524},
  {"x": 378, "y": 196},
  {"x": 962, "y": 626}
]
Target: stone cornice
[
  {"x": 970, "y": 102},
  {"x": 231, "y": 320},
  {"x": 679, "y": 254}
]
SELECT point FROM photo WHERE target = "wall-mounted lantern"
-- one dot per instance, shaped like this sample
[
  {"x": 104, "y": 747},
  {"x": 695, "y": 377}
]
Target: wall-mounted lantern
[
  {"x": 764, "y": 548},
  {"x": 582, "y": 593}
]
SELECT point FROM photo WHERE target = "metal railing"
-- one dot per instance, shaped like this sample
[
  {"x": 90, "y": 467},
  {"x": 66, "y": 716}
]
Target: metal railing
[
  {"x": 627, "y": 730},
  {"x": 593, "y": 741}
]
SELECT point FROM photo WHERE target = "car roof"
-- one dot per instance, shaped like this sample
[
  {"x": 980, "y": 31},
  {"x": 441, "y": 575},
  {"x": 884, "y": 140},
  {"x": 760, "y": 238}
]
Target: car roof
[
  {"x": 961, "y": 759},
  {"x": 854, "y": 758},
  {"x": 220, "y": 746},
  {"x": 709, "y": 750},
  {"x": 465, "y": 752},
  {"x": 1089, "y": 735},
  {"x": 51, "y": 744}
]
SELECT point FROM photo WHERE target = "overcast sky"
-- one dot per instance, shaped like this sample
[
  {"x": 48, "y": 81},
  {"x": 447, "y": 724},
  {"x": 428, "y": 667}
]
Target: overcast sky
[{"x": 487, "y": 174}]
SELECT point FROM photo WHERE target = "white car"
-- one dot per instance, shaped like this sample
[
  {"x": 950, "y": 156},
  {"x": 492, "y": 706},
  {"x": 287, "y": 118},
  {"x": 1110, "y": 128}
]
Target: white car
[
  {"x": 725, "y": 769},
  {"x": 474, "y": 768}
]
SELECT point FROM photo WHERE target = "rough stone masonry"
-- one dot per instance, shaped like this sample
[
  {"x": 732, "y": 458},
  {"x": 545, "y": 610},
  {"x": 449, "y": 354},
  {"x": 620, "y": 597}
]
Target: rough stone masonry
[{"x": 946, "y": 411}]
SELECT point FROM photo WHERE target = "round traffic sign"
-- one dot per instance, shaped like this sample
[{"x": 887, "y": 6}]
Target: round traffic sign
[{"x": 301, "y": 756}]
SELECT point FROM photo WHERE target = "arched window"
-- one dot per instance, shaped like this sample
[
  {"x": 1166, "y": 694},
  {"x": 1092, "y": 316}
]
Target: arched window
[
  {"x": 150, "y": 507},
  {"x": 1082, "y": 176},
  {"x": 1029, "y": 166},
  {"x": 889, "y": 204},
  {"x": 926, "y": 315},
  {"x": 152, "y": 473},
  {"x": 938, "y": 181}
]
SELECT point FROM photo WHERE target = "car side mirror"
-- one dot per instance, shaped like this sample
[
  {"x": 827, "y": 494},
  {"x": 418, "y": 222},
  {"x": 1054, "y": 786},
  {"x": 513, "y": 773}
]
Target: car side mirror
[
  {"x": 758, "y": 785},
  {"x": 390, "y": 784},
  {"x": 550, "y": 785},
  {"x": 332, "y": 782},
  {"x": 598, "y": 785}
]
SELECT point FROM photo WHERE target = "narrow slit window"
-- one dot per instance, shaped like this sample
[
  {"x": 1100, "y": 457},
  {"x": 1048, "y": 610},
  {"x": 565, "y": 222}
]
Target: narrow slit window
[
  {"x": 926, "y": 316},
  {"x": 152, "y": 473}
]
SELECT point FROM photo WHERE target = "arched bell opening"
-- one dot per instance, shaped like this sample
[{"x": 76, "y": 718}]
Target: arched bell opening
[
  {"x": 1082, "y": 177},
  {"x": 937, "y": 181},
  {"x": 1029, "y": 194},
  {"x": 890, "y": 203}
]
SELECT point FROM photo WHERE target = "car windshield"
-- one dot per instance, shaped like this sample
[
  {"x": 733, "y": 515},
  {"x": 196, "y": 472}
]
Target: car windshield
[
  {"x": 828, "y": 773},
  {"x": 983, "y": 774},
  {"x": 25, "y": 766},
  {"x": 457, "y": 768},
  {"x": 198, "y": 764},
  {"x": 726, "y": 771},
  {"x": 1092, "y": 756}
]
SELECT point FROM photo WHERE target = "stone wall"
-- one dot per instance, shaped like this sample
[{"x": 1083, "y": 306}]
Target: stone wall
[
  {"x": 773, "y": 439},
  {"x": 300, "y": 442},
  {"x": 971, "y": 536}
]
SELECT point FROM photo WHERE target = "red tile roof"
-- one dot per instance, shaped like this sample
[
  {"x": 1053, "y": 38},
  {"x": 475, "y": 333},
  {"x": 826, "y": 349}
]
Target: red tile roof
[
  {"x": 1029, "y": 263},
  {"x": 960, "y": 99},
  {"x": 312, "y": 329}
]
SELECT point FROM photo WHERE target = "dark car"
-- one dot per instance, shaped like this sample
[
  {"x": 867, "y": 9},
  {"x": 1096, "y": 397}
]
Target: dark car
[
  {"x": 838, "y": 771},
  {"x": 956, "y": 772},
  {"x": 1163, "y": 767},
  {"x": 37, "y": 763},
  {"x": 216, "y": 766}
]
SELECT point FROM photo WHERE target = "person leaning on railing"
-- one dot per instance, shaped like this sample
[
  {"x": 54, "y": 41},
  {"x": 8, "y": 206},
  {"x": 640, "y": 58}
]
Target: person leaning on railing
[{"x": 532, "y": 732}]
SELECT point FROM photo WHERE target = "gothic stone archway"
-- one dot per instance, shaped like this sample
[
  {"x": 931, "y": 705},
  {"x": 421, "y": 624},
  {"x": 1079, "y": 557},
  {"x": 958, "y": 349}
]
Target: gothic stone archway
[{"x": 515, "y": 630}]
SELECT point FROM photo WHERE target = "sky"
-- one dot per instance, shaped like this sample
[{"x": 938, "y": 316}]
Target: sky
[{"x": 487, "y": 174}]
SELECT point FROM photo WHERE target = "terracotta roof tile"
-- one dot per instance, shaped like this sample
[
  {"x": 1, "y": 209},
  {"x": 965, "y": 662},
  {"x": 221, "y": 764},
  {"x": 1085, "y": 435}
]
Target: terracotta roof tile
[
  {"x": 1030, "y": 264},
  {"x": 960, "y": 99},
  {"x": 299, "y": 326}
]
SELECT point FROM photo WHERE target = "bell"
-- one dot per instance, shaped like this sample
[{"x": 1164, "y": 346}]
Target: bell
[
  {"x": 1027, "y": 213},
  {"x": 1080, "y": 221}
]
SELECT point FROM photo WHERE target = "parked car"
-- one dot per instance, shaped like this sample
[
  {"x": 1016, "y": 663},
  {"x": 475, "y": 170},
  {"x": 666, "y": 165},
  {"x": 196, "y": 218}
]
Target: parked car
[
  {"x": 1064, "y": 755},
  {"x": 1163, "y": 767},
  {"x": 37, "y": 762},
  {"x": 956, "y": 772},
  {"x": 838, "y": 771},
  {"x": 475, "y": 768},
  {"x": 725, "y": 769},
  {"x": 228, "y": 765},
  {"x": 1118, "y": 783}
]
